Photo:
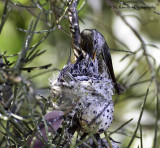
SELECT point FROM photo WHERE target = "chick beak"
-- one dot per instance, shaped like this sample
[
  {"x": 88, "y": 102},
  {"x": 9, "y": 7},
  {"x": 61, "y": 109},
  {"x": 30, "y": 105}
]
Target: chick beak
[{"x": 94, "y": 54}]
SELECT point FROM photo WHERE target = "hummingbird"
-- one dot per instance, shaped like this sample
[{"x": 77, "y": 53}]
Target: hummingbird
[
  {"x": 94, "y": 44},
  {"x": 85, "y": 86},
  {"x": 90, "y": 82}
]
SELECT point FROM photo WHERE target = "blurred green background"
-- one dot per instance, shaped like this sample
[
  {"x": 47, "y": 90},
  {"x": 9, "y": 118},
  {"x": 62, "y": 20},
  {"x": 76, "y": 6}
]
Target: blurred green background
[{"x": 130, "y": 71}]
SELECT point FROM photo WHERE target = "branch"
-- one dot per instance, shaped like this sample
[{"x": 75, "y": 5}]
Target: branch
[{"x": 74, "y": 28}]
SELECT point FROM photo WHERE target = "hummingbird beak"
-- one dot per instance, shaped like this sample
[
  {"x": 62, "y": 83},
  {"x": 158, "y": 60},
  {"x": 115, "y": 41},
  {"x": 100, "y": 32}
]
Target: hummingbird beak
[{"x": 94, "y": 54}]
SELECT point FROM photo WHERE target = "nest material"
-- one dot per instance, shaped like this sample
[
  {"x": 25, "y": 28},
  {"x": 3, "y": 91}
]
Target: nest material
[{"x": 81, "y": 85}]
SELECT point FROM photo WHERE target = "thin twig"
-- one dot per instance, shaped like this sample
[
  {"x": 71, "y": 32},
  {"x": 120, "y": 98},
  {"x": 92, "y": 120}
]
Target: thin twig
[
  {"x": 141, "y": 136},
  {"x": 157, "y": 116},
  {"x": 65, "y": 11},
  {"x": 120, "y": 127},
  {"x": 140, "y": 116},
  {"x": 5, "y": 14},
  {"x": 22, "y": 57}
]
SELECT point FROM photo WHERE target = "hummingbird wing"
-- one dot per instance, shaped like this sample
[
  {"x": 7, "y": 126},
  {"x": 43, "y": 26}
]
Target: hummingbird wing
[{"x": 108, "y": 61}]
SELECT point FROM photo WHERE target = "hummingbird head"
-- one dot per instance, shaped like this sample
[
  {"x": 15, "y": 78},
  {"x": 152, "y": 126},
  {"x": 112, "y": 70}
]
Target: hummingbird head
[
  {"x": 90, "y": 41},
  {"x": 87, "y": 42}
]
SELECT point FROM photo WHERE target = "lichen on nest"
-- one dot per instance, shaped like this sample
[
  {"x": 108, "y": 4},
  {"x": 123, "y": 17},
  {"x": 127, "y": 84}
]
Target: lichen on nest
[{"x": 81, "y": 85}]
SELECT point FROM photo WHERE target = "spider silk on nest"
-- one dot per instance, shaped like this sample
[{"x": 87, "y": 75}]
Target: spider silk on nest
[{"x": 81, "y": 88}]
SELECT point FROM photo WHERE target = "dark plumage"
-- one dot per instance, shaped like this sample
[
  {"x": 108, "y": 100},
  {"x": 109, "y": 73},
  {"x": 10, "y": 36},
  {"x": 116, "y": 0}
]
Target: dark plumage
[{"x": 93, "y": 43}]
